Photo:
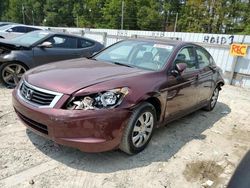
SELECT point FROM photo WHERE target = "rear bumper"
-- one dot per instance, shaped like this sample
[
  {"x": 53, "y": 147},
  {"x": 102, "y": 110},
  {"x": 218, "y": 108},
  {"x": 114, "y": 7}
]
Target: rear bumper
[{"x": 89, "y": 131}]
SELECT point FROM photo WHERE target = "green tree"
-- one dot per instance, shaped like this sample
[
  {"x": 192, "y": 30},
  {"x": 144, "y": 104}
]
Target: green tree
[
  {"x": 88, "y": 12},
  {"x": 14, "y": 12},
  {"x": 59, "y": 13},
  {"x": 27, "y": 11},
  {"x": 3, "y": 10},
  {"x": 150, "y": 15},
  {"x": 213, "y": 16},
  {"x": 112, "y": 14}
]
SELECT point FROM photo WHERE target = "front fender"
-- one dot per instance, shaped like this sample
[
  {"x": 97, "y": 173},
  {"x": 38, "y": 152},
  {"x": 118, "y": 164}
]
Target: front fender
[{"x": 20, "y": 56}]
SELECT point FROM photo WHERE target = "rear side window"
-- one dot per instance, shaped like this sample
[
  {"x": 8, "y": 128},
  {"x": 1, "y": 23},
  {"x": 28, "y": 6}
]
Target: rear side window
[
  {"x": 204, "y": 58},
  {"x": 83, "y": 43},
  {"x": 63, "y": 42}
]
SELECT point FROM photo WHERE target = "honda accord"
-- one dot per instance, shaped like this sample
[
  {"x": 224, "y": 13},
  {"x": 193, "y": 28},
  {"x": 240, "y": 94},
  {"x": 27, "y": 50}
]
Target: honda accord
[{"x": 115, "y": 99}]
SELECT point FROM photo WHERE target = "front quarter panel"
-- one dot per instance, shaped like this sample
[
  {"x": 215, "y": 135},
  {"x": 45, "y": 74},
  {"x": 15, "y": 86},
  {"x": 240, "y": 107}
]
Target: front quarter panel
[
  {"x": 24, "y": 56},
  {"x": 141, "y": 88}
]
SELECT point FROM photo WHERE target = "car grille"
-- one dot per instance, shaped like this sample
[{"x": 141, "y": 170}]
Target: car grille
[
  {"x": 33, "y": 124},
  {"x": 38, "y": 97}
]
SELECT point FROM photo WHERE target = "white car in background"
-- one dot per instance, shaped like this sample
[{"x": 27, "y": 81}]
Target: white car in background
[{"x": 14, "y": 30}]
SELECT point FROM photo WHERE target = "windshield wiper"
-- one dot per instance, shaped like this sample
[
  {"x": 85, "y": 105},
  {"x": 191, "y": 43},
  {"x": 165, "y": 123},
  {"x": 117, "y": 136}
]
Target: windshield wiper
[{"x": 122, "y": 64}]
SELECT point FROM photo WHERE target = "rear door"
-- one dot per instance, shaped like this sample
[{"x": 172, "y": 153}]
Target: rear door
[
  {"x": 63, "y": 48},
  {"x": 205, "y": 74},
  {"x": 182, "y": 91}
]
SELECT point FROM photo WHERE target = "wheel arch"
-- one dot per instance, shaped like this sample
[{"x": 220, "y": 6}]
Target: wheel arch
[
  {"x": 19, "y": 62},
  {"x": 220, "y": 84},
  {"x": 157, "y": 105}
]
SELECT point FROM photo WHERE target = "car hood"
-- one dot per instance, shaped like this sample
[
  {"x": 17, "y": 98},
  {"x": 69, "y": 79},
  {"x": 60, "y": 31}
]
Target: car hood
[
  {"x": 6, "y": 46},
  {"x": 72, "y": 75}
]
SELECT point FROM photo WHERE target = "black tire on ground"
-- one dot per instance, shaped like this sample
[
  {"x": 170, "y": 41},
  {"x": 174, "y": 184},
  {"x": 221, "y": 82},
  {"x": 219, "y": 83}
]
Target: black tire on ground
[
  {"x": 127, "y": 144},
  {"x": 210, "y": 106}
]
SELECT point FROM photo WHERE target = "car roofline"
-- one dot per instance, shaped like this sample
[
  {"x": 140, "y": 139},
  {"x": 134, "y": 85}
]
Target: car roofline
[{"x": 168, "y": 41}]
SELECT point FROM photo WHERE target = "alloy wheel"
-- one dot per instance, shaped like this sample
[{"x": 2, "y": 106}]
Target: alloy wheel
[
  {"x": 12, "y": 74},
  {"x": 143, "y": 129},
  {"x": 214, "y": 97}
]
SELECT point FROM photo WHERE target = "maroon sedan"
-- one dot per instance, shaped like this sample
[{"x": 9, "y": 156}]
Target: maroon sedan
[{"x": 116, "y": 98}]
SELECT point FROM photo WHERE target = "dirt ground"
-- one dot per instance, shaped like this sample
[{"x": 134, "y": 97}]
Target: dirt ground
[{"x": 200, "y": 150}]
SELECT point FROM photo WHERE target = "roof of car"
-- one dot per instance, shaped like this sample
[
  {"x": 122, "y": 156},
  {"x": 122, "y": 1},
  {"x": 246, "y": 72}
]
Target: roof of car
[
  {"x": 169, "y": 41},
  {"x": 65, "y": 34},
  {"x": 13, "y": 25}
]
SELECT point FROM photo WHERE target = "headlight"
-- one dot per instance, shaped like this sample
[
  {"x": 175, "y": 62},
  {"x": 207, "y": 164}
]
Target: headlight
[{"x": 106, "y": 99}]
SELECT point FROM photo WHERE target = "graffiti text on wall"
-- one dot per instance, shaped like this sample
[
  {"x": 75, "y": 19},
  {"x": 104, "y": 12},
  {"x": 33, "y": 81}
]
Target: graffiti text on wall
[{"x": 218, "y": 39}]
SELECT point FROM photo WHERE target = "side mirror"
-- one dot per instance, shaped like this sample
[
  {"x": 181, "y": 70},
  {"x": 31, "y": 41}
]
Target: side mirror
[
  {"x": 10, "y": 30},
  {"x": 180, "y": 67},
  {"x": 45, "y": 45}
]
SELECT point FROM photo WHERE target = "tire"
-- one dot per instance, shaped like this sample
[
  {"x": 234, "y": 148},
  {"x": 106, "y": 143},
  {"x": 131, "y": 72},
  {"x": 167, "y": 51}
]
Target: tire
[
  {"x": 213, "y": 99},
  {"x": 11, "y": 73},
  {"x": 137, "y": 136}
]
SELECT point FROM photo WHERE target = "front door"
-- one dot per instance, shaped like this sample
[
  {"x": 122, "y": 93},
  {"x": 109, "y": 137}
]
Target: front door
[
  {"x": 63, "y": 48},
  {"x": 182, "y": 90}
]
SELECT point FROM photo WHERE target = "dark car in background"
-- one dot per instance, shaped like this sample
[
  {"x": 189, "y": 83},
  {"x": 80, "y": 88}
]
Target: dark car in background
[
  {"x": 116, "y": 98},
  {"x": 40, "y": 47}
]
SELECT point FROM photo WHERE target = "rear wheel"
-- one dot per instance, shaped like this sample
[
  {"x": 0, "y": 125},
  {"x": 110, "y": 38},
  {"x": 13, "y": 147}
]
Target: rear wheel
[
  {"x": 11, "y": 73},
  {"x": 139, "y": 130},
  {"x": 213, "y": 99}
]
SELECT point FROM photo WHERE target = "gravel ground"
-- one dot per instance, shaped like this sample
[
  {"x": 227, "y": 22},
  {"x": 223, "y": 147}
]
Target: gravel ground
[{"x": 199, "y": 149}]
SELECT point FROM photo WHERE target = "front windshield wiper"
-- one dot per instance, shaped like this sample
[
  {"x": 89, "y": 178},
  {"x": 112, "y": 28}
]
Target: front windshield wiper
[{"x": 122, "y": 64}]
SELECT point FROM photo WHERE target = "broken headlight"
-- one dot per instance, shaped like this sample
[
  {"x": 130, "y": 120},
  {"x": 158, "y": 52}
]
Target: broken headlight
[{"x": 102, "y": 100}]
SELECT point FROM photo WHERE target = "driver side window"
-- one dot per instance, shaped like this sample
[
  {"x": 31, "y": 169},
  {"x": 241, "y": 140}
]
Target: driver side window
[
  {"x": 187, "y": 56},
  {"x": 58, "y": 41}
]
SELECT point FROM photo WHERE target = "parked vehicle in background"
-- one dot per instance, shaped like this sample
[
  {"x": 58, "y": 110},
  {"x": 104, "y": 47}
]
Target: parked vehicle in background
[
  {"x": 14, "y": 30},
  {"x": 5, "y": 23},
  {"x": 116, "y": 98},
  {"x": 38, "y": 48}
]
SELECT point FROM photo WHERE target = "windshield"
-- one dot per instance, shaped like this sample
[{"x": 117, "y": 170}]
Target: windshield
[
  {"x": 30, "y": 38},
  {"x": 145, "y": 55}
]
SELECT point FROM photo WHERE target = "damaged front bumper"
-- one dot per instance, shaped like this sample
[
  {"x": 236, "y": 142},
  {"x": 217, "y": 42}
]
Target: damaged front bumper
[{"x": 89, "y": 131}]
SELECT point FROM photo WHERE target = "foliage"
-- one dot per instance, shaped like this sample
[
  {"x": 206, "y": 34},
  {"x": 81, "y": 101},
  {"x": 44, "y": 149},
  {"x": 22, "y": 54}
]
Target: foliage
[{"x": 210, "y": 16}]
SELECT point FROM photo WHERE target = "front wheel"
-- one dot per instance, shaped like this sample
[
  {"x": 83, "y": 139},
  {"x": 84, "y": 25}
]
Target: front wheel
[
  {"x": 138, "y": 132},
  {"x": 213, "y": 100},
  {"x": 11, "y": 73}
]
